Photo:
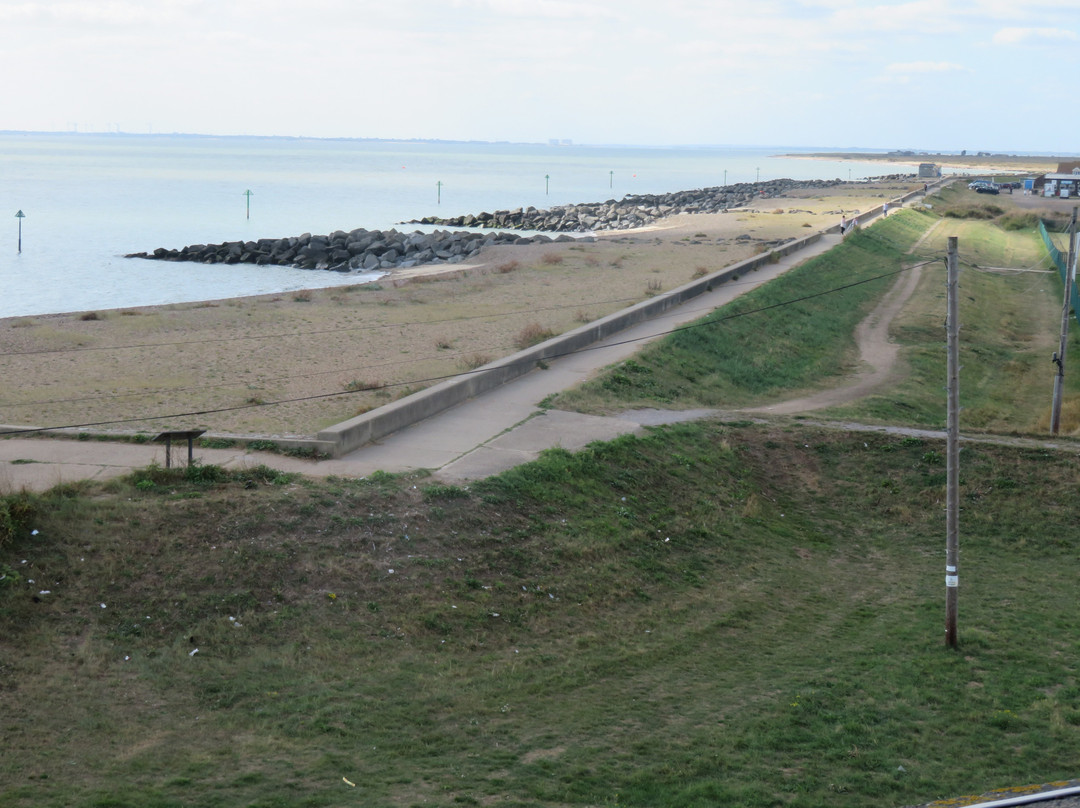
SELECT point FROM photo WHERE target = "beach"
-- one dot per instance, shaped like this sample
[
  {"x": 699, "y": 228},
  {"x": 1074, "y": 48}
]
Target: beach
[
  {"x": 290, "y": 364},
  {"x": 954, "y": 163}
]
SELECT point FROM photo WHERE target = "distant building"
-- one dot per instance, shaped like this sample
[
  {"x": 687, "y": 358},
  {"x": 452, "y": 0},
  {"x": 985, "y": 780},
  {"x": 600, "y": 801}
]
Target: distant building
[
  {"x": 929, "y": 170},
  {"x": 1064, "y": 184}
]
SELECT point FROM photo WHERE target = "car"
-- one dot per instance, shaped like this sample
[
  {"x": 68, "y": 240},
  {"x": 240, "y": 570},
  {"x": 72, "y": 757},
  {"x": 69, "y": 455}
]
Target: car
[
  {"x": 977, "y": 184},
  {"x": 987, "y": 189}
]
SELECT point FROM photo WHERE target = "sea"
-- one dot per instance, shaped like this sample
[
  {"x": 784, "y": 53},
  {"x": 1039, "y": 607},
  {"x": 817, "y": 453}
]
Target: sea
[{"x": 87, "y": 200}]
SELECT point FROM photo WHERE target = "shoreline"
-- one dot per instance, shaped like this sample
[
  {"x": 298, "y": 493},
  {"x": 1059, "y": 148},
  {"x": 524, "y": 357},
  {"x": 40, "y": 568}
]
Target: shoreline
[
  {"x": 1006, "y": 163},
  {"x": 320, "y": 356}
]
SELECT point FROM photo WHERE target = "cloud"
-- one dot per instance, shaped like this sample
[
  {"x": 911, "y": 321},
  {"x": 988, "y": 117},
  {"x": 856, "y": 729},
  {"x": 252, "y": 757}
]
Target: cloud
[
  {"x": 1020, "y": 36},
  {"x": 905, "y": 72},
  {"x": 95, "y": 12},
  {"x": 923, "y": 67}
]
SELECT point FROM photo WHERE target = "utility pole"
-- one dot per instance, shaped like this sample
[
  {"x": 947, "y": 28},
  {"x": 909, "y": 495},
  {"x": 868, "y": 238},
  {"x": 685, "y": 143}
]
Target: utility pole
[
  {"x": 952, "y": 488},
  {"x": 1059, "y": 357}
]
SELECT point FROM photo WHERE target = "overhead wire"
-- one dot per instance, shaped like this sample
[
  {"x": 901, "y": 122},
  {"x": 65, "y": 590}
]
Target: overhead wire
[{"x": 461, "y": 374}]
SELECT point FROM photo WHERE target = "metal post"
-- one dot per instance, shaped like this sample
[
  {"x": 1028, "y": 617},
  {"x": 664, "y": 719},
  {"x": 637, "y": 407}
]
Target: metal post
[
  {"x": 952, "y": 495},
  {"x": 547, "y": 184},
  {"x": 247, "y": 193},
  {"x": 611, "y": 180},
  {"x": 1059, "y": 357},
  {"x": 438, "y": 186},
  {"x": 20, "y": 216}
]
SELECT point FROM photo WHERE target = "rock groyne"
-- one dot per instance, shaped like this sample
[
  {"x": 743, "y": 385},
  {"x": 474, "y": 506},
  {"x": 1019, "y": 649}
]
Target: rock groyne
[
  {"x": 637, "y": 210},
  {"x": 383, "y": 250},
  {"x": 356, "y": 251}
]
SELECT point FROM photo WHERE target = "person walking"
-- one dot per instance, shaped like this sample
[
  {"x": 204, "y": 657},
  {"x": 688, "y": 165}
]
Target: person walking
[{"x": 884, "y": 210}]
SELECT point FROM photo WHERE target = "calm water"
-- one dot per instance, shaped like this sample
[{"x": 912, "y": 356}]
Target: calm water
[{"x": 90, "y": 199}]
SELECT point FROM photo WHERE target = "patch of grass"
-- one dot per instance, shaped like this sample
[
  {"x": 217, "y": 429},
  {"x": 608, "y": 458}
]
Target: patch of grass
[
  {"x": 1009, "y": 327},
  {"x": 779, "y": 338},
  {"x": 691, "y": 617}
]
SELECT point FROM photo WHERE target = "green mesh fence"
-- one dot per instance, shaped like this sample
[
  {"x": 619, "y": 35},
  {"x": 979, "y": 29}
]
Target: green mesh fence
[{"x": 1060, "y": 260}]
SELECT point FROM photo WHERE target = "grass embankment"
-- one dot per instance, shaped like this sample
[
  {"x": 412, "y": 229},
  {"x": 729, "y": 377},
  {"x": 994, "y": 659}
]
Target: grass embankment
[
  {"x": 712, "y": 615},
  {"x": 794, "y": 334},
  {"x": 797, "y": 334}
]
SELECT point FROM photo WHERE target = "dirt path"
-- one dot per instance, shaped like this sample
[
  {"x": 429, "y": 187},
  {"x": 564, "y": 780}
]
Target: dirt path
[{"x": 879, "y": 356}]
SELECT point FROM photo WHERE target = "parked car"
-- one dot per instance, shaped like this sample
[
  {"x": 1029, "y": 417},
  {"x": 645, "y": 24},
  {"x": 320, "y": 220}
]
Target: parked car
[{"x": 987, "y": 189}]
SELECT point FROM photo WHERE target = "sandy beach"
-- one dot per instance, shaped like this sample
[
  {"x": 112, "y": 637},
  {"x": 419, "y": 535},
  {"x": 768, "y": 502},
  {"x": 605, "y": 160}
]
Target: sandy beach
[
  {"x": 330, "y": 354},
  {"x": 958, "y": 163}
]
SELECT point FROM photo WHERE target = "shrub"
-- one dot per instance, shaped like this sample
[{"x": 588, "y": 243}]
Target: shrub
[
  {"x": 356, "y": 385},
  {"x": 1016, "y": 220},
  {"x": 532, "y": 334},
  {"x": 551, "y": 258},
  {"x": 475, "y": 360},
  {"x": 16, "y": 511}
]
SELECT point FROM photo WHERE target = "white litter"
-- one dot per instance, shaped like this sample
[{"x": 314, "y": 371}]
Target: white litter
[
  {"x": 102, "y": 605},
  {"x": 194, "y": 652}
]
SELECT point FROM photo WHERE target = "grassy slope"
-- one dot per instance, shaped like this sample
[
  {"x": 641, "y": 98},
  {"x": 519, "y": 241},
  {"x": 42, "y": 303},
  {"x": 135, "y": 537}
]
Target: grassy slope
[
  {"x": 717, "y": 614},
  {"x": 786, "y": 346},
  {"x": 778, "y": 338}
]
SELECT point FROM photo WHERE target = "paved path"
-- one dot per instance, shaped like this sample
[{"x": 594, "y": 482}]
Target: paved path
[{"x": 480, "y": 437}]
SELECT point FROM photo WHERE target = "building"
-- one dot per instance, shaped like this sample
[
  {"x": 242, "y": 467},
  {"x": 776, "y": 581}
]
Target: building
[
  {"x": 1064, "y": 184},
  {"x": 929, "y": 170}
]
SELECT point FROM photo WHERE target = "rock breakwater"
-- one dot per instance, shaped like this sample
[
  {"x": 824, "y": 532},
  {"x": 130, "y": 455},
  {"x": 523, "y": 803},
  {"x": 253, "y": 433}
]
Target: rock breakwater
[
  {"x": 356, "y": 251},
  {"x": 383, "y": 250},
  {"x": 637, "y": 210}
]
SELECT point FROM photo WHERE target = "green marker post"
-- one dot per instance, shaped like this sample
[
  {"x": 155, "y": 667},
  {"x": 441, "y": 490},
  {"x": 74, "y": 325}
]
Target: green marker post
[
  {"x": 20, "y": 216},
  {"x": 547, "y": 184},
  {"x": 611, "y": 180},
  {"x": 247, "y": 193},
  {"x": 438, "y": 186}
]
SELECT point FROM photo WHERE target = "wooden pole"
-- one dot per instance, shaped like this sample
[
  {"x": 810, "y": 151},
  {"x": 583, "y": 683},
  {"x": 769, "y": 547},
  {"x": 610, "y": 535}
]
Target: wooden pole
[
  {"x": 1059, "y": 357},
  {"x": 952, "y": 495}
]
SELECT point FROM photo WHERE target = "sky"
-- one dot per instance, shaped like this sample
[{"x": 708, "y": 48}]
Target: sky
[{"x": 981, "y": 75}]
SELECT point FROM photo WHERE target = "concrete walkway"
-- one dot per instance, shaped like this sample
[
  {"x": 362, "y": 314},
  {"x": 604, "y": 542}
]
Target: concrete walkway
[{"x": 483, "y": 436}]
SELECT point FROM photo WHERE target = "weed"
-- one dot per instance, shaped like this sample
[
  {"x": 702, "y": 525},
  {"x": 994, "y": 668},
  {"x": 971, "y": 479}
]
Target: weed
[
  {"x": 532, "y": 334},
  {"x": 507, "y": 267},
  {"x": 475, "y": 360},
  {"x": 551, "y": 259},
  {"x": 90, "y": 316},
  {"x": 359, "y": 385}
]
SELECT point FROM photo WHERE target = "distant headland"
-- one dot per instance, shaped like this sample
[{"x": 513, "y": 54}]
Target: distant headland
[{"x": 976, "y": 161}]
